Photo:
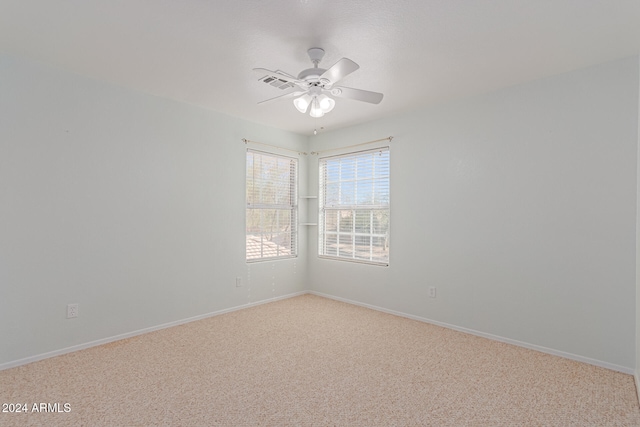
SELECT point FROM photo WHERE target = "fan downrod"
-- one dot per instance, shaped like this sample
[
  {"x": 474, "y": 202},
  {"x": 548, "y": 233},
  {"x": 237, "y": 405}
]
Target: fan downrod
[{"x": 312, "y": 74}]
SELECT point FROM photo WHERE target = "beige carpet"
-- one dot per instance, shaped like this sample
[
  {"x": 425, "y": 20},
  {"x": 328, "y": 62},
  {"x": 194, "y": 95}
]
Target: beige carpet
[{"x": 310, "y": 361}]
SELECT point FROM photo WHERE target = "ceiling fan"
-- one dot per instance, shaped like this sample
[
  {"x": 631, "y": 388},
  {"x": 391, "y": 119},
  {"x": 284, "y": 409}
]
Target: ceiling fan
[{"x": 315, "y": 86}]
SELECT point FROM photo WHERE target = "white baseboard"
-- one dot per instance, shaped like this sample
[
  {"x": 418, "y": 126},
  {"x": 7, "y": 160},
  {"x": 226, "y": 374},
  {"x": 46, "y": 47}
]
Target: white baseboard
[
  {"x": 541, "y": 349},
  {"x": 102, "y": 341}
]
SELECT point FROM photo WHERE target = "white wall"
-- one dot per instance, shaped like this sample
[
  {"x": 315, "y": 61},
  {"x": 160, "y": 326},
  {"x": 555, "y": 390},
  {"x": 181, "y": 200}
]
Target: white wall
[
  {"x": 127, "y": 204},
  {"x": 637, "y": 365},
  {"x": 520, "y": 207}
]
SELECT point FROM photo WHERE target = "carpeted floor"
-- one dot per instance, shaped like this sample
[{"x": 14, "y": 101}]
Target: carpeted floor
[{"x": 311, "y": 361}]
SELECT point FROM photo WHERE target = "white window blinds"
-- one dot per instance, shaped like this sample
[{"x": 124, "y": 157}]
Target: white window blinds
[
  {"x": 271, "y": 216},
  {"x": 354, "y": 206}
]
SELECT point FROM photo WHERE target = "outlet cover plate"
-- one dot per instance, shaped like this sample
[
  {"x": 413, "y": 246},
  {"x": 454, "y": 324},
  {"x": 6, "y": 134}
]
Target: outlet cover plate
[{"x": 72, "y": 311}]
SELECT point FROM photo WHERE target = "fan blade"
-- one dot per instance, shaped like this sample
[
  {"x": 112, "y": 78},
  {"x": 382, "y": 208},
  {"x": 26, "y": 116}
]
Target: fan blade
[
  {"x": 286, "y": 95},
  {"x": 282, "y": 76},
  {"x": 284, "y": 73},
  {"x": 339, "y": 70},
  {"x": 357, "y": 94}
]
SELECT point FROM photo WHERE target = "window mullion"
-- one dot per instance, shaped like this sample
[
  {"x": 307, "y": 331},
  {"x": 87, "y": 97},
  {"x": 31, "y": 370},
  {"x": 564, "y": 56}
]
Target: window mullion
[
  {"x": 261, "y": 233},
  {"x": 373, "y": 179},
  {"x": 353, "y": 234},
  {"x": 338, "y": 228},
  {"x": 371, "y": 234}
]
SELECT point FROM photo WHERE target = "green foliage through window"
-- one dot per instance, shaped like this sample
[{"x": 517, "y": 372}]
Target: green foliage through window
[
  {"x": 354, "y": 206},
  {"x": 271, "y": 216}
]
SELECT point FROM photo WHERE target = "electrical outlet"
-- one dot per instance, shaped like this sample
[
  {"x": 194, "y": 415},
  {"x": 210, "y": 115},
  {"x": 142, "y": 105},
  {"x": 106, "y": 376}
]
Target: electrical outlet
[
  {"x": 432, "y": 292},
  {"x": 238, "y": 282},
  {"x": 72, "y": 311}
]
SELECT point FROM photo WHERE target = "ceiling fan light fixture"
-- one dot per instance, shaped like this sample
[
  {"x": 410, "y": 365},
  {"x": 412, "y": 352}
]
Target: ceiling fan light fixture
[
  {"x": 302, "y": 103},
  {"x": 326, "y": 103},
  {"x": 316, "y": 110},
  {"x": 314, "y": 89}
]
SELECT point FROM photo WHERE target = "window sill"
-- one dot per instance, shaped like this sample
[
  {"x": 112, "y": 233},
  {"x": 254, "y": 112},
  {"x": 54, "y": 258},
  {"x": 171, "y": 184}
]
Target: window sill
[{"x": 357, "y": 261}]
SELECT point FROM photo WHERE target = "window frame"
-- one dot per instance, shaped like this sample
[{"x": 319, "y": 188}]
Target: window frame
[
  {"x": 291, "y": 207},
  {"x": 383, "y": 208}
]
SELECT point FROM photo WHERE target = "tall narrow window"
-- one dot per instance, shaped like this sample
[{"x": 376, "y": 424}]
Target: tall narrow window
[
  {"x": 354, "y": 207},
  {"x": 271, "y": 227}
]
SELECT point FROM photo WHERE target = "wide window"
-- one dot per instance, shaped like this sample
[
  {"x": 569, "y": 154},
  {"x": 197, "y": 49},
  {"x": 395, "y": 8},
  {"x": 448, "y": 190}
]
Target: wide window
[
  {"x": 271, "y": 230},
  {"x": 354, "y": 207}
]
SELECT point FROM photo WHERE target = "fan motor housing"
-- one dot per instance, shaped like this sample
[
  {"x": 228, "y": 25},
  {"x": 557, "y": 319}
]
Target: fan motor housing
[{"x": 311, "y": 74}]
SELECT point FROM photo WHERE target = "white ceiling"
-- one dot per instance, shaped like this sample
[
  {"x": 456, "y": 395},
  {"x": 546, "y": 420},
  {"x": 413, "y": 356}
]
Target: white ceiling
[{"x": 416, "y": 52}]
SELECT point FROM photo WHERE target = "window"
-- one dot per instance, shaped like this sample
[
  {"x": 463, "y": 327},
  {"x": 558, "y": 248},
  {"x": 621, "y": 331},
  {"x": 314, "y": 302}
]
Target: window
[
  {"x": 271, "y": 228},
  {"x": 354, "y": 207}
]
